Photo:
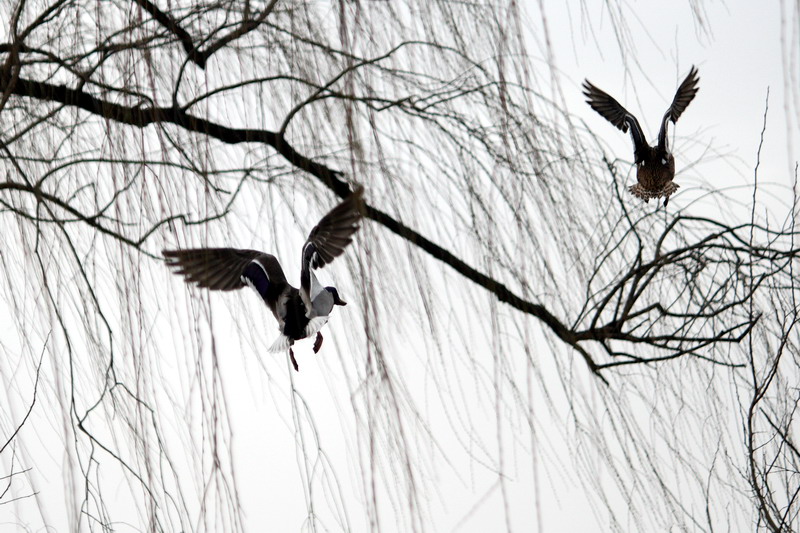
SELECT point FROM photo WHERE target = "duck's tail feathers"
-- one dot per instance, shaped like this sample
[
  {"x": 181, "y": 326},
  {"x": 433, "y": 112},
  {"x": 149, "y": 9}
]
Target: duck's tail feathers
[
  {"x": 281, "y": 344},
  {"x": 314, "y": 325},
  {"x": 646, "y": 194}
]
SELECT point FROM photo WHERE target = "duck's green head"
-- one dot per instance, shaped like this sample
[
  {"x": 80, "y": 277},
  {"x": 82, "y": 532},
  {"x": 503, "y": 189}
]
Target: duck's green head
[{"x": 335, "y": 293}]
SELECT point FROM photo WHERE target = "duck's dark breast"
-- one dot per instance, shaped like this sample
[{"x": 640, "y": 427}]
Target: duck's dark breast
[
  {"x": 295, "y": 321},
  {"x": 653, "y": 175}
]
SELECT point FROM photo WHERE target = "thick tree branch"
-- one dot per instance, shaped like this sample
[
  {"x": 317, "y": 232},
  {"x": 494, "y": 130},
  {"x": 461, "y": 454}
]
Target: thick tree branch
[
  {"x": 722, "y": 246},
  {"x": 144, "y": 116},
  {"x": 172, "y": 25},
  {"x": 200, "y": 58}
]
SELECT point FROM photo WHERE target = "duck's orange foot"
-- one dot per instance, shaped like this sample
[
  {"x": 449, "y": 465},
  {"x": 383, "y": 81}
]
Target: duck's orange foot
[{"x": 318, "y": 342}]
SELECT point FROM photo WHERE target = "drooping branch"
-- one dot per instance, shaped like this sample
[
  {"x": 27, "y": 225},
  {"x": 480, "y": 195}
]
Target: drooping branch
[{"x": 30, "y": 407}]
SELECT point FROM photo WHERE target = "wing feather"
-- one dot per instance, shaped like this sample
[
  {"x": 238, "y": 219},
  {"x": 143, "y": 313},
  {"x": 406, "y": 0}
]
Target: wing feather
[
  {"x": 683, "y": 97},
  {"x": 612, "y": 111},
  {"x": 330, "y": 237},
  {"x": 334, "y": 231},
  {"x": 220, "y": 269}
]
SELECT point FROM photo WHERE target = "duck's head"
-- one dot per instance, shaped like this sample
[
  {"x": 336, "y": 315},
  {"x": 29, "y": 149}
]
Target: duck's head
[{"x": 335, "y": 293}]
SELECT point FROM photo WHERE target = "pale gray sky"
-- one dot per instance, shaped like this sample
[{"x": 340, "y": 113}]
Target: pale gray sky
[{"x": 282, "y": 441}]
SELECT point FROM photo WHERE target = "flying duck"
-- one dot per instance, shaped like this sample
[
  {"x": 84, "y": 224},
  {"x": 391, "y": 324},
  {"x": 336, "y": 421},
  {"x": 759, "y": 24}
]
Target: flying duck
[
  {"x": 655, "y": 166},
  {"x": 300, "y": 313}
]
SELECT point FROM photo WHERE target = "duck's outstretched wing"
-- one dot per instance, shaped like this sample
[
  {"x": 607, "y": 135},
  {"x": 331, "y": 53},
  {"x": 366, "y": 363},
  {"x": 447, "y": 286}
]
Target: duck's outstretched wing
[
  {"x": 331, "y": 235},
  {"x": 612, "y": 111},
  {"x": 226, "y": 269},
  {"x": 683, "y": 97}
]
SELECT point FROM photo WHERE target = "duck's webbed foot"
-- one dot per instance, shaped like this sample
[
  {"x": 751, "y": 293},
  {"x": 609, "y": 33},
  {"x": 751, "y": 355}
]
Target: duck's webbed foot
[
  {"x": 294, "y": 361},
  {"x": 318, "y": 342}
]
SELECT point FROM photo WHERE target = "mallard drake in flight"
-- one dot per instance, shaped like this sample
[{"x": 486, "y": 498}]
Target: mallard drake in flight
[
  {"x": 655, "y": 166},
  {"x": 300, "y": 313}
]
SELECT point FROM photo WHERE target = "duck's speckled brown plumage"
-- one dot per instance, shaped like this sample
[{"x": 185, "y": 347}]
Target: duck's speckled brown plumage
[
  {"x": 655, "y": 165},
  {"x": 654, "y": 177}
]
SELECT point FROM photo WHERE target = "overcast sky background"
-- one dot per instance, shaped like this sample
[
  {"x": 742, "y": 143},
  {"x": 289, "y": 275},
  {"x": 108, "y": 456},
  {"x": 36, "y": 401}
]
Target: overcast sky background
[
  {"x": 738, "y": 50},
  {"x": 281, "y": 440}
]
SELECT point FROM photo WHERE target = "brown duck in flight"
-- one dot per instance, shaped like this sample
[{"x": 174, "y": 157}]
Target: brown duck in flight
[{"x": 655, "y": 166}]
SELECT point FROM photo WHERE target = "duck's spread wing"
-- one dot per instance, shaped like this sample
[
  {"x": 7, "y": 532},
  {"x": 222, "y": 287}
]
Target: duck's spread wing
[
  {"x": 329, "y": 238},
  {"x": 224, "y": 269},
  {"x": 683, "y": 97},
  {"x": 612, "y": 111},
  {"x": 334, "y": 231}
]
